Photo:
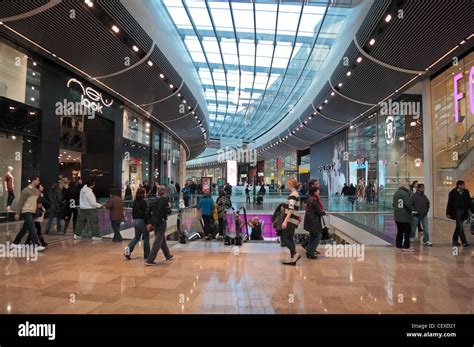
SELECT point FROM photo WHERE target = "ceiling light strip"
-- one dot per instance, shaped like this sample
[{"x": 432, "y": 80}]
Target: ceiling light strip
[
  {"x": 141, "y": 61},
  {"x": 326, "y": 117},
  {"x": 167, "y": 97},
  {"x": 348, "y": 98},
  {"x": 368, "y": 56}
]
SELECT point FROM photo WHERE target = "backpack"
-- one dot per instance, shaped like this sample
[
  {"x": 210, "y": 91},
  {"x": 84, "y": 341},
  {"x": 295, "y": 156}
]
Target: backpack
[{"x": 278, "y": 217}]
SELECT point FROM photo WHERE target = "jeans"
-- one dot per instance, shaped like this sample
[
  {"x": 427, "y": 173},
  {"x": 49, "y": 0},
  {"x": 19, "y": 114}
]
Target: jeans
[
  {"x": 160, "y": 242},
  {"x": 71, "y": 212},
  {"x": 403, "y": 235},
  {"x": 28, "y": 226},
  {"x": 89, "y": 216},
  {"x": 288, "y": 238},
  {"x": 459, "y": 231},
  {"x": 222, "y": 222},
  {"x": 40, "y": 236},
  {"x": 140, "y": 229},
  {"x": 314, "y": 239},
  {"x": 10, "y": 198},
  {"x": 116, "y": 228},
  {"x": 54, "y": 214},
  {"x": 415, "y": 222}
]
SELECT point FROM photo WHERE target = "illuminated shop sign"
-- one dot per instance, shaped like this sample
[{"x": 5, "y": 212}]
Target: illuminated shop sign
[
  {"x": 91, "y": 98},
  {"x": 460, "y": 95}
]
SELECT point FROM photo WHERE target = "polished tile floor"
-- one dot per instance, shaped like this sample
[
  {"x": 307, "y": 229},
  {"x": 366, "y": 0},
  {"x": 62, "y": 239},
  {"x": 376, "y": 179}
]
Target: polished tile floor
[{"x": 205, "y": 277}]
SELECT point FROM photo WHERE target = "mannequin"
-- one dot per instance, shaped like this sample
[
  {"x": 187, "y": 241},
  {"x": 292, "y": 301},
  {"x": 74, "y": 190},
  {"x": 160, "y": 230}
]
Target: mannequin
[{"x": 9, "y": 187}]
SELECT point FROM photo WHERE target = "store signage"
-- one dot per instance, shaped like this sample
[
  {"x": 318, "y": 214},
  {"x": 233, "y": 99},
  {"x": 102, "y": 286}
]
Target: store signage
[
  {"x": 327, "y": 167},
  {"x": 460, "y": 95},
  {"x": 91, "y": 98},
  {"x": 390, "y": 130}
]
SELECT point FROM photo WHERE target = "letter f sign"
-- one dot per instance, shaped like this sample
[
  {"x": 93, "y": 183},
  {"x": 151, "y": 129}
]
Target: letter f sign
[{"x": 457, "y": 96}]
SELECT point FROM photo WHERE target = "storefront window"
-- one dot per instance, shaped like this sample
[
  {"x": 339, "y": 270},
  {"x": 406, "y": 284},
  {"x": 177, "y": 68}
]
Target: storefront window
[
  {"x": 135, "y": 168},
  {"x": 135, "y": 128},
  {"x": 19, "y": 75},
  {"x": 452, "y": 131}
]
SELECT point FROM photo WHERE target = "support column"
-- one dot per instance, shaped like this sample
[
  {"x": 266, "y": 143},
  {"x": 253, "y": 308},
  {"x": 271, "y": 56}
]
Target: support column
[{"x": 428, "y": 144}]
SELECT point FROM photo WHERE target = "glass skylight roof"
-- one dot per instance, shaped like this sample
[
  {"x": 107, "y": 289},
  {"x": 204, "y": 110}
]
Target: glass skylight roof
[{"x": 255, "y": 59}]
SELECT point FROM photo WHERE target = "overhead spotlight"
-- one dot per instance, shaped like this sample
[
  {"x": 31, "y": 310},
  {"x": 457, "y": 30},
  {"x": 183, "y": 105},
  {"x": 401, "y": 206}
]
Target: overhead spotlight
[
  {"x": 320, "y": 108},
  {"x": 184, "y": 101},
  {"x": 359, "y": 59},
  {"x": 34, "y": 63},
  {"x": 348, "y": 73},
  {"x": 332, "y": 93},
  {"x": 32, "y": 113},
  {"x": 150, "y": 63},
  {"x": 462, "y": 42},
  {"x": 305, "y": 122},
  {"x": 54, "y": 55},
  {"x": 135, "y": 48},
  {"x": 115, "y": 29},
  {"x": 315, "y": 113},
  {"x": 89, "y": 3},
  {"x": 372, "y": 42},
  {"x": 11, "y": 108},
  {"x": 326, "y": 101},
  {"x": 413, "y": 124},
  {"x": 189, "y": 108},
  {"x": 388, "y": 18},
  {"x": 310, "y": 117},
  {"x": 162, "y": 76},
  {"x": 171, "y": 86},
  {"x": 13, "y": 137},
  {"x": 32, "y": 87},
  {"x": 34, "y": 74},
  {"x": 32, "y": 99},
  {"x": 339, "y": 85}
]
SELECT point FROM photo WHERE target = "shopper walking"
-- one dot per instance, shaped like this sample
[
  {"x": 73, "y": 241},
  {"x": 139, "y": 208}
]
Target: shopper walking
[
  {"x": 27, "y": 207},
  {"x": 71, "y": 204},
  {"x": 206, "y": 205},
  {"x": 158, "y": 214},
  {"x": 115, "y": 205},
  {"x": 459, "y": 204},
  {"x": 313, "y": 221},
  {"x": 420, "y": 206},
  {"x": 223, "y": 204},
  {"x": 40, "y": 212},
  {"x": 291, "y": 221},
  {"x": 55, "y": 197},
  {"x": 87, "y": 212},
  {"x": 141, "y": 224},
  {"x": 402, "y": 215}
]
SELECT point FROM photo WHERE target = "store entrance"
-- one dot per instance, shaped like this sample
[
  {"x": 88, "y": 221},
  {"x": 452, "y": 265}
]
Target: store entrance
[{"x": 69, "y": 165}]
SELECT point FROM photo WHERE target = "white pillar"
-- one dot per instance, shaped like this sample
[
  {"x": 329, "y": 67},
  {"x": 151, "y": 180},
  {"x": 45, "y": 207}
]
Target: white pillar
[{"x": 428, "y": 143}]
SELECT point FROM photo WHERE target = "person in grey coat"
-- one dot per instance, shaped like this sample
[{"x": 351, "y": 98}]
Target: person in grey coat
[
  {"x": 313, "y": 222},
  {"x": 402, "y": 215},
  {"x": 420, "y": 206}
]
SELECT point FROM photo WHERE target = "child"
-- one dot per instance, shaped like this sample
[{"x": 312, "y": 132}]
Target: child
[{"x": 256, "y": 226}]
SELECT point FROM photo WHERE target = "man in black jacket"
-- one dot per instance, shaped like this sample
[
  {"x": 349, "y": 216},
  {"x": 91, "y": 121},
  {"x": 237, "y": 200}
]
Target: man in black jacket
[
  {"x": 420, "y": 206},
  {"x": 159, "y": 211},
  {"x": 71, "y": 202},
  {"x": 459, "y": 204}
]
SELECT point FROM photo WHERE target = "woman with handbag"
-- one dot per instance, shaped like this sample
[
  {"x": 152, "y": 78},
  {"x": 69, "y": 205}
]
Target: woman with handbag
[
  {"x": 291, "y": 221},
  {"x": 313, "y": 222}
]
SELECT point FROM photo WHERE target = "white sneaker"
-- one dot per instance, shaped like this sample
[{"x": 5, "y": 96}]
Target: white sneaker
[
  {"x": 428, "y": 243},
  {"x": 40, "y": 248},
  {"x": 412, "y": 240},
  {"x": 95, "y": 238},
  {"x": 77, "y": 237}
]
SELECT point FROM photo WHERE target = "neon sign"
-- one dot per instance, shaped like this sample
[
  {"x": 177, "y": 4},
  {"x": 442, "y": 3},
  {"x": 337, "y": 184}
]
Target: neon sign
[{"x": 460, "y": 95}]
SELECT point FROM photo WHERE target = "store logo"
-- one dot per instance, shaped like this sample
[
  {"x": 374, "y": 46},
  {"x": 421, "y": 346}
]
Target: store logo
[
  {"x": 402, "y": 108},
  {"x": 390, "y": 130},
  {"x": 91, "y": 99},
  {"x": 460, "y": 95}
]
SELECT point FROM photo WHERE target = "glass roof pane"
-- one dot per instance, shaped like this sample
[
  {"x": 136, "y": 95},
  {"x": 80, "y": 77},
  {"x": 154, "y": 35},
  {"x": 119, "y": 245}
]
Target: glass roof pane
[{"x": 256, "y": 85}]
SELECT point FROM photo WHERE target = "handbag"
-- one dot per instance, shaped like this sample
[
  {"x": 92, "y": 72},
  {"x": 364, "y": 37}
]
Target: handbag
[{"x": 325, "y": 233}]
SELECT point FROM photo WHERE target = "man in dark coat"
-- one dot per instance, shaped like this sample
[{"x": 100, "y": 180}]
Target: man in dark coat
[{"x": 459, "y": 204}]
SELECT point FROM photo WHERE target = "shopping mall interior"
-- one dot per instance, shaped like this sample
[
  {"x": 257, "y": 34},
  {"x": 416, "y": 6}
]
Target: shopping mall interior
[{"x": 236, "y": 157}]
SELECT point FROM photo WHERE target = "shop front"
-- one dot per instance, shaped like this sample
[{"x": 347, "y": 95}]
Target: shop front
[{"x": 452, "y": 108}]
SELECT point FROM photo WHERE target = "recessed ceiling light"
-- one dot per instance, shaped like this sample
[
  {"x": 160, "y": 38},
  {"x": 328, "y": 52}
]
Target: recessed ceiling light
[
  {"x": 339, "y": 85},
  {"x": 135, "y": 48},
  {"x": 326, "y": 101},
  {"x": 32, "y": 87},
  {"x": 32, "y": 99},
  {"x": 13, "y": 137},
  {"x": 359, "y": 59},
  {"x": 162, "y": 76},
  {"x": 34, "y": 63},
  {"x": 184, "y": 101},
  {"x": 320, "y": 108},
  {"x": 348, "y": 73},
  {"x": 34, "y": 74},
  {"x": 11, "y": 108},
  {"x": 413, "y": 124},
  {"x": 115, "y": 29},
  {"x": 332, "y": 93},
  {"x": 372, "y": 42},
  {"x": 388, "y": 18},
  {"x": 89, "y": 3},
  {"x": 150, "y": 63},
  {"x": 171, "y": 86}
]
